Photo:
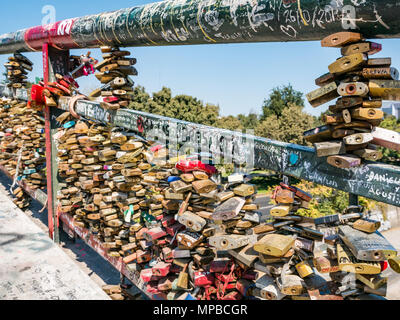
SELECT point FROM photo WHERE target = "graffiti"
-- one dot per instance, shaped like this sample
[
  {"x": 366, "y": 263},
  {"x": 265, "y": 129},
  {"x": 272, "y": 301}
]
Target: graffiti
[{"x": 177, "y": 22}]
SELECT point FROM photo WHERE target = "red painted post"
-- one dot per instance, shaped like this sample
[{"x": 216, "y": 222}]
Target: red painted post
[{"x": 48, "y": 146}]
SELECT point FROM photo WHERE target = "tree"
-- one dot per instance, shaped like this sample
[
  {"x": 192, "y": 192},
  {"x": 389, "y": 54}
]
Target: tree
[
  {"x": 229, "y": 123},
  {"x": 250, "y": 121},
  {"x": 182, "y": 107},
  {"x": 390, "y": 156},
  {"x": 289, "y": 127},
  {"x": 279, "y": 99}
]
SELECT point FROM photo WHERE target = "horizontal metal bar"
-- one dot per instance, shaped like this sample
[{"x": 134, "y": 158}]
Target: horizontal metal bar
[
  {"x": 372, "y": 180},
  {"x": 97, "y": 246},
  {"x": 376, "y": 181},
  {"x": 36, "y": 194},
  {"x": 188, "y": 22}
]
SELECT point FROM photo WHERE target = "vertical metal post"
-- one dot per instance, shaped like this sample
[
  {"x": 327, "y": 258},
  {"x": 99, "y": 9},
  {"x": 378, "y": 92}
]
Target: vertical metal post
[
  {"x": 353, "y": 200},
  {"x": 54, "y": 61}
]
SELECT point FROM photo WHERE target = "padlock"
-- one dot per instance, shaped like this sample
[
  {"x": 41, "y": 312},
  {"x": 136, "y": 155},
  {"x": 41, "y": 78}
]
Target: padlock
[
  {"x": 381, "y": 73},
  {"x": 329, "y": 148},
  {"x": 385, "y": 89},
  {"x": 290, "y": 285},
  {"x": 366, "y": 225},
  {"x": 319, "y": 134},
  {"x": 386, "y": 138},
  {"x": 367, "y": 247},
  {"x": 367, "y": 114},
  {"x": 323, "y": 94},
  {"x": 304, "y": 269},
  {"x": 395, "y": 264},
  {"x": 204, "y": 186},
  {"x": 341, "y": 39},
  {"x": 244, "y": 190},
  {"x": 189, "y": 240},
  {"x": 345, "y": 161},
  {"x": 348, "y": 63},
  {"x": 269, "y": 290},
  {"x": 326, "y": 264},
  {"x": 192, "y": 221},
  {"x": 348, "y": 263},
  {"x": 203, "y": 279},
  {"x": 369, "y": 48},
  {"x": 230, "y": 242},
  {"x": 280, "y": 210},
  {"x": 161, "y": 269},
  {"x": 368, "y": 154},
  {"x": 246, "y": 255},
  {"x": 268, "y": 259},
  {"x": 229, "y": 209},
  {"x": 284, "y": 196},
  {"x": 353, "y": 89},
  {"x": 372, "y": 281},
  {"x": 274, "y": 245}
]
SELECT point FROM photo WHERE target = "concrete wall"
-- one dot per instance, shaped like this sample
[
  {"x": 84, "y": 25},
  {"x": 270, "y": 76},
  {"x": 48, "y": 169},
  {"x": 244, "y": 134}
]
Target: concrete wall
[{"x": 388, "y": 215}]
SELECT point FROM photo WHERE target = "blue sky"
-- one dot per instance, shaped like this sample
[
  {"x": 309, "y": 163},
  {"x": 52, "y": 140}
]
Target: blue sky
[{"x": 237, "y": 77}]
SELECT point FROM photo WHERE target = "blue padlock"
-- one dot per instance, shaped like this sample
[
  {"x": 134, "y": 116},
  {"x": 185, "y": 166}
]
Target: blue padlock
[
  {"x": 172, "y": 179},
  {"x": 69, "y": 124}
]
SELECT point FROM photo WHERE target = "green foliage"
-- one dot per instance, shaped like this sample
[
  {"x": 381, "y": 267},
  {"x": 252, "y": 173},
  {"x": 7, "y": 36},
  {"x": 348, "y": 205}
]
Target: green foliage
[
  {"x": 279, "y": 99},
  {"x": 182, "y": 107},
  {"x": 251, "y": 121},
  {"x": 229, "y": 123},
  {"x": 390, "y": 156},
  {"x": 289, "y": 127}
]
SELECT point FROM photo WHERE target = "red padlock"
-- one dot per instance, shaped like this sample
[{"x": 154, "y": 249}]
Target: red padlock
[
  {"x": 143, "y": 256},
  {"x": 154, "y": 234},
  {"x": 203, "y": 279},
  {"x": 37, "y": 95},
  {"x": 174, "y": 228},
  {"x": 168, "y": 221},
  {"x": 161, "y": 269},
  {"x": 111, "y": 99},
  {"x": 147, "y": 276},
  {"x": 225, "y": 277},
  {"x": 232, "y": 296},
  {"x": 221, "y": 285},
  {"x": 189, "y": 166},
  {"x": 152, "y": 287},
  {"x": 167, "y": 255}
]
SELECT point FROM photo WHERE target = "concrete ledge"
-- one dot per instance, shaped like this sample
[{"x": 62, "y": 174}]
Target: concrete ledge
[{"x": 32, "y": 267}]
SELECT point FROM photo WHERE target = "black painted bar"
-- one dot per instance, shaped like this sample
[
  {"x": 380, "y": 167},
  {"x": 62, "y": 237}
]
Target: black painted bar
[
  {"x": 188, "y": 22},
  {"x": 372, "y": 180}
]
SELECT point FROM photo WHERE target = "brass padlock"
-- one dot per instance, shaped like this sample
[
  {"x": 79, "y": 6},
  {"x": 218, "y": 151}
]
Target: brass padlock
[
  {"x": 274, "y": 245},
  {"x": 348, "y": 63},
  {"x": 348, "y": 263},
  {"x": 341, "y": 39},
  {"x": 304, "y": 269},
  {"x": 366, "y": 225}
]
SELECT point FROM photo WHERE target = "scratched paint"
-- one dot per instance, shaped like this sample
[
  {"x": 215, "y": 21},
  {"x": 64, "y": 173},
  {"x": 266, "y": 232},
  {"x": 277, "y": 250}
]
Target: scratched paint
[
  {"x": 182, "y": 22},
  {"x": 375, "y": 181}
]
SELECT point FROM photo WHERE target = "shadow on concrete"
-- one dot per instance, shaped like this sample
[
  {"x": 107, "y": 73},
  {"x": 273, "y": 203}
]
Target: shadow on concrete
[
  {"x": 77, "y": 250},
  {"x": 15, "y": 237}
]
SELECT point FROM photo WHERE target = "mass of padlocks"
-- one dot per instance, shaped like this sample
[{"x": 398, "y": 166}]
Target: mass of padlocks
[
  {"x": 192, "y": 238},
  {"x": 351, "y": 132},
  {"x": 22, "y": 138},
  {"x": 185, "y": 234}
]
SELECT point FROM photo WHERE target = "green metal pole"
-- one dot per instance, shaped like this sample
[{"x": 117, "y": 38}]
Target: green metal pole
[{"x": 188, "y": 22}]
